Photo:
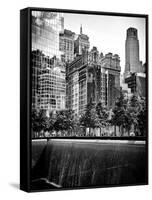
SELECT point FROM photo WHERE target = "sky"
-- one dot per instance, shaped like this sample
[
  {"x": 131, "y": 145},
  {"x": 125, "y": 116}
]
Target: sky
[{"x": 107, "y": 33}]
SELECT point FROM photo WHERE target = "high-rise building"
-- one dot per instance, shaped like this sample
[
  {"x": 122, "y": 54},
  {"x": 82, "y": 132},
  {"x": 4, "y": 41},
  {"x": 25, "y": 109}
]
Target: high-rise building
[
  {"x": 48, "y": 71},
  {"x": 134, "y": 74},
  {"x": 81, "y": 43},
  {"x": 111, "y": 65},
  {"x": 137, "y": 83},
  {"x": 76, "y": 84},
  {"x": 83, "y": 83},
  {"x": 132, "y": 63},
  {"x": 92, "y": 78},
  {"x": 66, "y": 45},
  {"x": 124, "y": 87}
]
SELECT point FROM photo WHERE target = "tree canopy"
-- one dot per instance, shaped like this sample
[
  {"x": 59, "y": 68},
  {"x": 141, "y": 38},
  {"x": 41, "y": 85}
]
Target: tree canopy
[{"x": 127, "y": 114}]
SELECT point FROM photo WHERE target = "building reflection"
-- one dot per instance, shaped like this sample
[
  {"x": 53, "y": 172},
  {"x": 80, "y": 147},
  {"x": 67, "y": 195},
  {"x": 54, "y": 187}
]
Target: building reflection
[{"x": 48, "y": 71}]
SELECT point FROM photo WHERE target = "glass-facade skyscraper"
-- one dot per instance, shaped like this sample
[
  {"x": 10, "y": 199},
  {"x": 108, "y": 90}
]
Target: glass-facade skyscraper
[{"x": 48, "y": 71}]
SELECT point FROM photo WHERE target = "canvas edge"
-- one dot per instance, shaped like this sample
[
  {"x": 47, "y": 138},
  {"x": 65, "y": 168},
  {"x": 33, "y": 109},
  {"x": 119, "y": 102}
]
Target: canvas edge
[{"x": 25, "y": 91}]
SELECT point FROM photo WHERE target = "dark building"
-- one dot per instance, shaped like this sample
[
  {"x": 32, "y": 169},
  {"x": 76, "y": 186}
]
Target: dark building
[
  {"x": 91, "y": 77},
  {"x": 111, "y": 65},
  {"x": 83, "y": 81},
  {"x": 137, "y": 83},
  {"x": 76, "y": 84}
]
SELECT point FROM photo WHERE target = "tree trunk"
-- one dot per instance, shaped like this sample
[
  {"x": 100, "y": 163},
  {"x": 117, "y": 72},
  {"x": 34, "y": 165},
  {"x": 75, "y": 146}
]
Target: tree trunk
[
  {"x": 121, "y": 130},
  {"x": 89, "y": 131},
  {"x": 114, "y": 130},
  {"x": 128, "y": 131}
]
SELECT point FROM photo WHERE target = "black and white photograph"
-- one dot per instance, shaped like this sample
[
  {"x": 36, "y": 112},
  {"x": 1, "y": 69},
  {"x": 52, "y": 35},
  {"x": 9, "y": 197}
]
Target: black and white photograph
[
  {"x": 75, "y": 100},
  {"x": 88, "y": 100}
]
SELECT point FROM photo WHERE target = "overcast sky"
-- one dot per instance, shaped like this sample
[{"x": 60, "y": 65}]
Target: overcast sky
[{"x": 107, "y": 33}]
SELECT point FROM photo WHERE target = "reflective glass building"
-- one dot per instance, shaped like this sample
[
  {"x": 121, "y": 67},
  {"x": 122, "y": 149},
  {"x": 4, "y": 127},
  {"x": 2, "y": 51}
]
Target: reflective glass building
[{"x": 48, "y": 71}]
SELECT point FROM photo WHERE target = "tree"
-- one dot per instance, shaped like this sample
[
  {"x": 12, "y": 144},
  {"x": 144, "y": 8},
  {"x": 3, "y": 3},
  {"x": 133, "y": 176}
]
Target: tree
[
  {"x": 39, "y": 121},
  {"x": 42, "y": 120},
  {"x": 134, "y": 108},
  {"x": 76, "y": 128},
  {"x": 121, "y": 115},
  {"x": 103, "y": 117},
  {"x": 103, "y": 114},
  {"x": 90, "y": 118},
  {"x": 142, "y": 118},
  {"x": 137, "y": 109},
  {"x": 35, "y": 125},
  {"x": 50, "y": 120},
  {"x": 64, "y": 121}
]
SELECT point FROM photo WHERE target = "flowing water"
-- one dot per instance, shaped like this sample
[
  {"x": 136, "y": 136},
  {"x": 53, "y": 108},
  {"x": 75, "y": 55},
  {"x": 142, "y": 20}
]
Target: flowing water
[{"x": 69, "y": 163}]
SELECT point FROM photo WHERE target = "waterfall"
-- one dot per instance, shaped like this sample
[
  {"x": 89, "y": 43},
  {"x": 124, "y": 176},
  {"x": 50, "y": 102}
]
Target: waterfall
[{"x": 82, "y": 164}]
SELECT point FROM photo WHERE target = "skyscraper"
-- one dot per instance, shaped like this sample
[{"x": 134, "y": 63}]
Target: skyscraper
[
  {"x": 134, "y": 74},
  {"x": 66, "y": 44},
  {"x": 132, "y": 63},
  {"x": 48, "y": 71},
  {"x": 83, "y": 82},
  {"x": 81, "y": 43},
  {"x": 76, "y": 84},
  {"x": 111, "y": 65},
  {"x": 92, "y": 78},
  {"x": 137, "y": 83}
]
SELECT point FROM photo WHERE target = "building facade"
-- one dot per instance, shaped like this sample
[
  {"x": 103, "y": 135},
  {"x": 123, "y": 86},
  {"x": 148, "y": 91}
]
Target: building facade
[
  {"x": 81, "y": 43},
  {"x": 76, "y": 85},
  {"x": 132, "y": 63},
  {"x": 66, "y": 45},
  {"x": 92, "y": 78},
  {"x": 134, "y": 74},
  {"x": 124, "y": 87},
  {"x": 111, "y": 65},
  {"x": 48, "y": 71},
  {"x": 137, "y": 83}
]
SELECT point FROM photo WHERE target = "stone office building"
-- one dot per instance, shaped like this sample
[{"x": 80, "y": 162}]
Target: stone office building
[
  {"x": 76, "y": 84},
  {"x": 92, "y": 78},
  {"x": 137, "y": 83},
  {"x": 66, "y": 45},
  {"x": 111, "y": 65},
  {"x": 81, "y": 43}
]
